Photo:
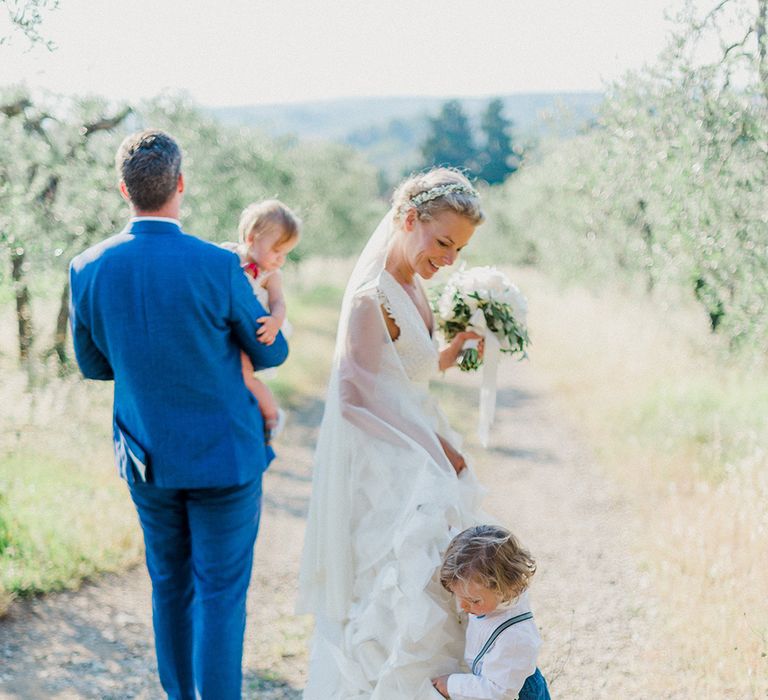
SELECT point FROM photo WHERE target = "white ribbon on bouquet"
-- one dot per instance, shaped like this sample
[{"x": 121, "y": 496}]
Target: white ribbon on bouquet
[{"x": 491, "y": 356}]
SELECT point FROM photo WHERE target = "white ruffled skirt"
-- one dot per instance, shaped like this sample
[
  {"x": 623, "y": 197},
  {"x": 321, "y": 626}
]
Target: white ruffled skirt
[{"x": 401, "y": 628}]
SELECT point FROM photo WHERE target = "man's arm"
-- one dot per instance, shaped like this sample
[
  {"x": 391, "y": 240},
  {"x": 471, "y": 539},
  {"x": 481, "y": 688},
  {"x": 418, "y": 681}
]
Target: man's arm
[
  {"x": 245, "y": 312},
  {"x": 92, "y": 362}
]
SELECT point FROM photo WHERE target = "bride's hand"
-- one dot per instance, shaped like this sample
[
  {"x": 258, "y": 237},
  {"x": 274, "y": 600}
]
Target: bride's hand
[
  {"x": 450, "y": 353},
  {"x": 454, "y": 456}
]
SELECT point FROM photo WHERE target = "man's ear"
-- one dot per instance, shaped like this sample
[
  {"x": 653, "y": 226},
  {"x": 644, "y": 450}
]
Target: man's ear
[
  {"x": 180, "y": 184},
  {"x": 124, "y": 191}
]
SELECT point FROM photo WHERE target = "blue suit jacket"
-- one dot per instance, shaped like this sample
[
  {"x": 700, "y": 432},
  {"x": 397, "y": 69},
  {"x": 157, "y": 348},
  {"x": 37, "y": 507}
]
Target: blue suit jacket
[{"x": 165, "y": 315}]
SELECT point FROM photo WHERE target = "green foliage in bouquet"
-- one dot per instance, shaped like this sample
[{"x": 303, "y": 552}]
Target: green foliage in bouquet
[{"x": 499, "y": 317}]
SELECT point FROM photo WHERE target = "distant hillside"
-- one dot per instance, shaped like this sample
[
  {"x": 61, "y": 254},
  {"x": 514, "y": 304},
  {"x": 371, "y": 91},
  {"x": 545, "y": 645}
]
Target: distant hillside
[{"x": 389, "y": 129}]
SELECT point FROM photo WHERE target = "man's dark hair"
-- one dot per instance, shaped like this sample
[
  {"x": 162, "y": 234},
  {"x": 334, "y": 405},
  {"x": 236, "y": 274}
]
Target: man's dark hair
[{"x": 149, "y": 162}]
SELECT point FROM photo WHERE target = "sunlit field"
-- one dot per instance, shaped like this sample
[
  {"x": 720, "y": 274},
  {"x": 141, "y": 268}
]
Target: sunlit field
[
  {"x": 683, "y": 429},
  {"x": 676, "y": 423},
  {"x": 64, "y": 515},
  {"x": 633, "y": 214}
]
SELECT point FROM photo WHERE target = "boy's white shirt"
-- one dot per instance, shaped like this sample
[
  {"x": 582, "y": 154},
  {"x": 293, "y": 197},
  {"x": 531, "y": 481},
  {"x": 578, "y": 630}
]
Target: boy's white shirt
[{"x": 506, "y": 665}]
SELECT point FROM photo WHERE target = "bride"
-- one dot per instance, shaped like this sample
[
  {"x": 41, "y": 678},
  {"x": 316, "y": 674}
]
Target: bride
[{"x": 390, "y": 484}]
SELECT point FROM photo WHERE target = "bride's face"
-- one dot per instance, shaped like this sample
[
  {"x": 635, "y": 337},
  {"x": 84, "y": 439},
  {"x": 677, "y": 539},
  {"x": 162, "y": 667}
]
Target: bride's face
[{"x": 433, "y": 243}]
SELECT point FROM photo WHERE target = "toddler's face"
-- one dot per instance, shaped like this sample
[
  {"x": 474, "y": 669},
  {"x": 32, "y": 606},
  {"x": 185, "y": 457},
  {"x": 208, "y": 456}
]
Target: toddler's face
[
  {"x": 268, "y": 253},
  {"x": 475, "y": 598}
]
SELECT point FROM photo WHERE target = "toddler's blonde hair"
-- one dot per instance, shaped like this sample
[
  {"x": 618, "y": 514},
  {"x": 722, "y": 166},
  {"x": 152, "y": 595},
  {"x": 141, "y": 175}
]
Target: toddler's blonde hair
[
  {"x": 489, "y": 556},
  {"x": 463, "y": 199},
  {"x": 262, "y": 217}
]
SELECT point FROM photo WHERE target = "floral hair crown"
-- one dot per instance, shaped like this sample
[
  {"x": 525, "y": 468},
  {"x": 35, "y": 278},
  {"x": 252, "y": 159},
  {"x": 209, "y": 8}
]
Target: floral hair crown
[{"x": 441, "y": 191}]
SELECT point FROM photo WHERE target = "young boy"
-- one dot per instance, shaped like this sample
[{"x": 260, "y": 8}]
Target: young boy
[{"x": 488, "y": 571}]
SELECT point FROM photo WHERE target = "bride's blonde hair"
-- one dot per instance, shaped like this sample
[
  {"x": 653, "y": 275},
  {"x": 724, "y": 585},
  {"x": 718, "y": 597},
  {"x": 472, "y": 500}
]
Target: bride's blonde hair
[{"x": 436, "y": 190}]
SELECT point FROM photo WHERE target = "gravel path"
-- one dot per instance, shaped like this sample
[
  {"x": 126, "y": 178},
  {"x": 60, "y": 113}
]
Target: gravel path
[{"x": 591, "y": 602}]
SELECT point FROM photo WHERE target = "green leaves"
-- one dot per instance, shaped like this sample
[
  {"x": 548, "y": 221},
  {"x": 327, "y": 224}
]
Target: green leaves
[
  {"x": 454, "y": 310},
  {"x": 469, "y": 360},
  {"x": 667, "y": 193}
]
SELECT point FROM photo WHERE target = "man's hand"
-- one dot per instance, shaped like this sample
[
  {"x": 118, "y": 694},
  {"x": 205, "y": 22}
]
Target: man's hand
[
  {"x": 269, "y": 329},
  {"x": 440, "y": 684}
]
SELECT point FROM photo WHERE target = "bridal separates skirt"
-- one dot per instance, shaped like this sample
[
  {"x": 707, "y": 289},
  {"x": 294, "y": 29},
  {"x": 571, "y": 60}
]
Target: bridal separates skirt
[{"x": 401, "y": 628}]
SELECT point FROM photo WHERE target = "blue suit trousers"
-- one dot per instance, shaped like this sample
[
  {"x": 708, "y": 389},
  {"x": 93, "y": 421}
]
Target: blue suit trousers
[{"x": 199, "y": 550}]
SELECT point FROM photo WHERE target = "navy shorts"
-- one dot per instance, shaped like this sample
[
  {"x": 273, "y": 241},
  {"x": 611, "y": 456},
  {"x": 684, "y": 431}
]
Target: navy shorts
[{"x": 534, "y": 688}]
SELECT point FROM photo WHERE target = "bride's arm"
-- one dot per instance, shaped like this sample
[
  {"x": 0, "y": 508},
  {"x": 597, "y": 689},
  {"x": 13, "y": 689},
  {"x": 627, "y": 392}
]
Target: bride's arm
[
  {"x": 373, "y": 388},
  {"x": 454, "y": 456},
  {"x": 450, "y": 353},
  {"x": 374, "y": 393}
]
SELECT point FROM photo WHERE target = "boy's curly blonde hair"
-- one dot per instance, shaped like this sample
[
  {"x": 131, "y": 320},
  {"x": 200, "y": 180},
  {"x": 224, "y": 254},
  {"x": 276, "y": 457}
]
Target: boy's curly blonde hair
[{"x": 490, "y": 556}]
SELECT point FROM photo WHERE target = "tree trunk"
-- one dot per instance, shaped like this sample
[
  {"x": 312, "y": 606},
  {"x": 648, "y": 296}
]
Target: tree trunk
[
  {"x": 23, "y": 304},
  {"x": 761, "y": 25},
  {"x": 60, "y": 335},
  {"x": 647, "y": 233}
]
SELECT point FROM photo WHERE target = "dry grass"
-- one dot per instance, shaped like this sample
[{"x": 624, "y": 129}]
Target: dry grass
[
  {"x": 64, "y": 514},
  {"x": 313, "y": 296},
  {"x": 682, "y": 429},
  {"x": 685, "y": 431}
]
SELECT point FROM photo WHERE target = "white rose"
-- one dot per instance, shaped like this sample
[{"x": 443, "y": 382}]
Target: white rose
[
  {"x": 445, "y": 306},
  {"x": 465, "y": 284},
  {"x": 499, "y": 283},
  {"x": 519, "y": 306},
  {"x": 481, "y": 276}
]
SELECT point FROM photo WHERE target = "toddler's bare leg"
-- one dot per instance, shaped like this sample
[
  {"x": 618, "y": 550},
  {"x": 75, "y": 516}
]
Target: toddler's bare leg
[
  {"x": 267, "y": 403},
  {"x": 266, "y": 399}
]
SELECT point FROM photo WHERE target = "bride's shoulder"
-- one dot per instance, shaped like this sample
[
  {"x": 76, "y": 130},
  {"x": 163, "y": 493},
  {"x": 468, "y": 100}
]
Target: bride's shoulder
[
  {"x": 369, "y": 288},
  {"x": 389, "y": 293},
  {"x": 382, "y": 289},
  {"x": 388, "y": 286}
]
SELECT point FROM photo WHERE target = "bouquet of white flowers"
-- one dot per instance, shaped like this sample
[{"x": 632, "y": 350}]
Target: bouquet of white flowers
[{"x": 483, "y": 299}]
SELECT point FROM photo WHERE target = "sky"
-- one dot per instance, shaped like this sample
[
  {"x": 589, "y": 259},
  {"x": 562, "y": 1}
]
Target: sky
[{"x": 239, "y": 52}]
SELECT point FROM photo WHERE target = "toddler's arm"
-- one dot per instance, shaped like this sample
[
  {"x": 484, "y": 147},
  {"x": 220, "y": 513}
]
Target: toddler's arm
[
  {"x": 271, "y": 324},
  {"x": 244, "y": 311}
]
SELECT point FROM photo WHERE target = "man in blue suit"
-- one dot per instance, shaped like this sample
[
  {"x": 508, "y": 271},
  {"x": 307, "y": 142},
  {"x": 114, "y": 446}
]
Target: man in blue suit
[{"x": 165, "y": 315}]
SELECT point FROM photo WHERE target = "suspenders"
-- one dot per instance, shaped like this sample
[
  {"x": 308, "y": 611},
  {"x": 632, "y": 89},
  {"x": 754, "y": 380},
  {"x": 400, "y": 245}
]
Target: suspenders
[{"x": 504, "y": 625}]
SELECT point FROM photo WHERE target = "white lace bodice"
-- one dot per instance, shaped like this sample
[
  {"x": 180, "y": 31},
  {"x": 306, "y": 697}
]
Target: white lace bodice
[{"x": 416, "y": 348}]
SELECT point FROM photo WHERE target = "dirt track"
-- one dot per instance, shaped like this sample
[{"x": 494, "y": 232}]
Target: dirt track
[{"x": 590, "y": 600}]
